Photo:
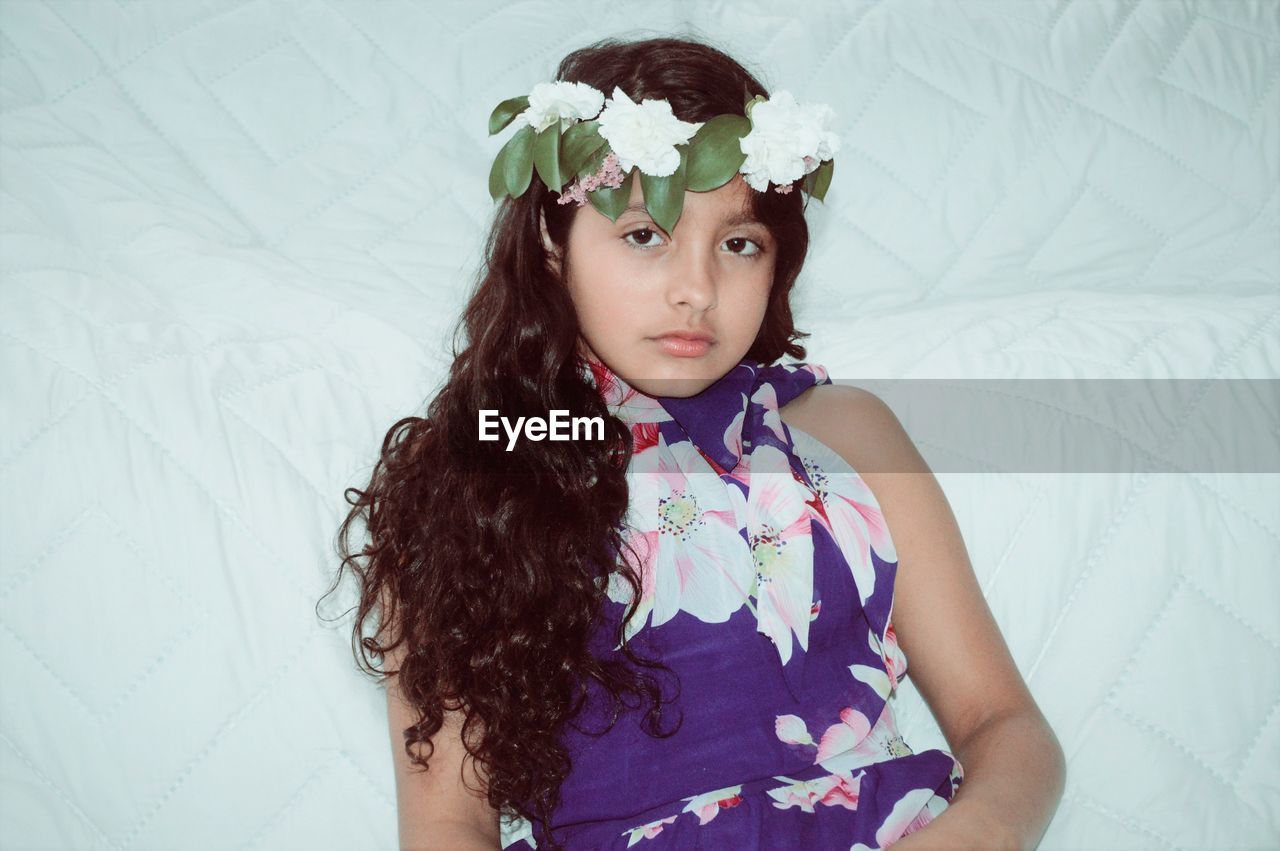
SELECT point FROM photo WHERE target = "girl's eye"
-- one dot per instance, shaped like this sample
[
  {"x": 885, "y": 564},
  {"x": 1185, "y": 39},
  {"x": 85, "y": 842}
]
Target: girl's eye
[
  {"x": 649, "y": 233},
  {"x": 738, "y": 244},
  {"x": 743, "y": 239}
]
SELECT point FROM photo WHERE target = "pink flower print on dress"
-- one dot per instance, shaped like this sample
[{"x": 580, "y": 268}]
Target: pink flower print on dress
[
  {"x": 624, "y": 401},
  {"x": 843, "y": 793},
  {"x": 644, "y": 436},
  {"x": 845, "y": 736},
  {"x": 833, "y": 790},
  {"x": 854, "y": 742},
  {"x": 646, "y": 831},
  {"x": 895, "y": 661},
  {"x": 709, "y": 804},
  {"x": 714, "y": 465},
  {"x": 611, "y": 390}
]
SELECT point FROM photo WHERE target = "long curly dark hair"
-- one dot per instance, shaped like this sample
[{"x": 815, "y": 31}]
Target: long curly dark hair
[{"x": 486, "y": 564}]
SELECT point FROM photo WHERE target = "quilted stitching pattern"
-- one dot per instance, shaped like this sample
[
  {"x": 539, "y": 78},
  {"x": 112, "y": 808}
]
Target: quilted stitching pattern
[{"x": 236, "y": 233}]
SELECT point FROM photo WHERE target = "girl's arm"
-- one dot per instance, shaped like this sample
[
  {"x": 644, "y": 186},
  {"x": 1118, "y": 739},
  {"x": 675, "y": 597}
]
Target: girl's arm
[
  {"x": 1014, "y": 769},
  {"x": 435, "y": 809}
]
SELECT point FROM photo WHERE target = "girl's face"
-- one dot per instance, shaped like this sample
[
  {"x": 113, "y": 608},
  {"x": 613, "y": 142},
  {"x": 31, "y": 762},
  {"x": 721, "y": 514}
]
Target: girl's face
[{"x": 636, "y": 289}]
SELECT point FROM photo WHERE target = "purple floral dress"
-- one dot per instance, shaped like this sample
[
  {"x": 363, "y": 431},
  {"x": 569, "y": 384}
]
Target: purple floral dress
[{"x": 768, "y": 579}]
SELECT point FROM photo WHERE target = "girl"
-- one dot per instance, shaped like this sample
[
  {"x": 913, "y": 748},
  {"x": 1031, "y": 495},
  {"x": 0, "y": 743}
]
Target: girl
[{"x": 675, "y": 632}]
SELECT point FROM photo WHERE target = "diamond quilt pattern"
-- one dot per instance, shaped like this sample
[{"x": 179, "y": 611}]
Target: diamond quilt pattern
[{"x": 236, "y": 234}]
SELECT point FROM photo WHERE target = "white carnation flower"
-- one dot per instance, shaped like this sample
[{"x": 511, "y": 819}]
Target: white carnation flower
[
  {"x": 644, "y": 134},
  {"x": 567, "y": 103},
  {"x": 787, "y": 140}
]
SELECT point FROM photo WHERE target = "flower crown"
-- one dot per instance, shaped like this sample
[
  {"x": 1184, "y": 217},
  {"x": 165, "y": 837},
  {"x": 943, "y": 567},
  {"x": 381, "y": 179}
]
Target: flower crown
[{"x": 570, "y": 134}]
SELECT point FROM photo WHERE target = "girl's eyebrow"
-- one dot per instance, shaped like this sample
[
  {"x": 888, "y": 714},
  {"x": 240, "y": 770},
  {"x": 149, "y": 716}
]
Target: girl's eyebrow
[
  {"x": 739, "y": 218},
  {"x": 742, "y": 219}
]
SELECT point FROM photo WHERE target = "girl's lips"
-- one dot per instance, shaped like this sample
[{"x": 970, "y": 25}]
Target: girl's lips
[{"x": 684, "y": 348}]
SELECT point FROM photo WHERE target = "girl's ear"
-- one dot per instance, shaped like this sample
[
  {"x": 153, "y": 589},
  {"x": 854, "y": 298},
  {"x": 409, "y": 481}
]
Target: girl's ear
[{"x": 553, "y": 254}]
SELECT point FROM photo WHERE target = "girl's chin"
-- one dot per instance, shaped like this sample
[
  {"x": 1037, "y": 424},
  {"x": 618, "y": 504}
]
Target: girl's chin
[
  {"x": 662, "y": 375},
  {"x": 672, "y": 385},
  {"x": 678, "y": 389}
]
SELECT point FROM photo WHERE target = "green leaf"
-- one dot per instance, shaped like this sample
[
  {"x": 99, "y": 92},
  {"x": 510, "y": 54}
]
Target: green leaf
[
  {"x": 612, "y": 202},
  {"x": 593, "y": 162},
  {"x": 664, "y": 196},
  {"x": 518, "y": 165},
  {"x": 505, "y": 112},
  {"x": 714, "y": 153},
  {"x": 751, "y": 104},
  {"x": 822, "y": 179},
  {"x": 497, "y": 173},
  {"x": 578, "y": 144},
  {"x": 546, "y": 157}
]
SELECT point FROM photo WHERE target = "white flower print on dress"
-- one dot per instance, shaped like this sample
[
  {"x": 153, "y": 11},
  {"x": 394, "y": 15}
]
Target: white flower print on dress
[
  {"x": 874, "y": 677},
  {"x": 854, "y": 742},
  {"x": 850, "y": 514},
  {"x": 707, "y": 574},
  {"x": 733, "y": 435},
  {"x": 910, "y": 813},
  {"x": 792, "y": 730},
  {"x": 781, "y": 548},
  {"x": 845, "y": 747},
  {"x": 646, "y": 831},
  {"x": 885, "y": 678},
  {"x": 772, "y": 419},
  {"x": 833, "y": 790},
  {"x": 514, "y": 828},
  {"x": 709, "y": 804}
]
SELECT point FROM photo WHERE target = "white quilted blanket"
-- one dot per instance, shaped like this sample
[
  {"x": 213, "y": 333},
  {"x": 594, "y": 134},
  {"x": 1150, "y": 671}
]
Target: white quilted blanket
[{"x": 235, "y": 235}]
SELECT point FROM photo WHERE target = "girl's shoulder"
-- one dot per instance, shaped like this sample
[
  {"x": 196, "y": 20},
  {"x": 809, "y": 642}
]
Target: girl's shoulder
[
  {"x": 819, "y": 400},
  {"x": 855, "y": 423}
]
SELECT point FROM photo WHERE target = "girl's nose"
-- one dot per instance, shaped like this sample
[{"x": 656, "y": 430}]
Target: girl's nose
[{"x": 693, "y": 282}]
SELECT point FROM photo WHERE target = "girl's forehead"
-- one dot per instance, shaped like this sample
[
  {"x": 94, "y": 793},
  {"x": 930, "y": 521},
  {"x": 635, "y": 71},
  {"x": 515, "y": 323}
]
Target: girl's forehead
[{"x": 729, "y": 204}]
